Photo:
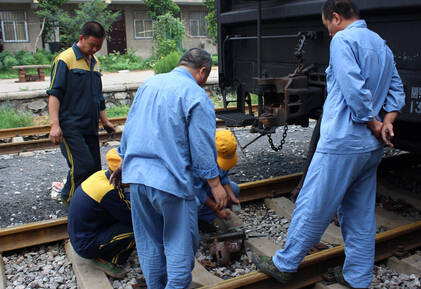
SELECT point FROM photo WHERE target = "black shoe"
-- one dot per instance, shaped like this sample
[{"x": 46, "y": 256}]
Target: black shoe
[
  {"x": 265, "y": 265},
  {"x": 206, "y": 227},
  {"x": 339, "y": 276}
]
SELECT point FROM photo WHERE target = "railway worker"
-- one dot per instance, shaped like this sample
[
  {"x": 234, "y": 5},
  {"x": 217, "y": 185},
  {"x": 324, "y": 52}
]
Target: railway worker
[
  {"x": 362, "y": 81},
  {"x": 168, "y": 141},
  {"x": 75, "y": 104},
  {"x": 100, "y": 224},
  {"x": 226, "y": 147}
]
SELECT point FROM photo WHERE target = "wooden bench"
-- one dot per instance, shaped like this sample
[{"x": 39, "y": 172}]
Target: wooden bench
[{"x": 24, "y": 77}]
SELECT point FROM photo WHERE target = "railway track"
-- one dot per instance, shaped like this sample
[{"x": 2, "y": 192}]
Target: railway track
[
  {"x": 406, "y": 237},
  {"x": 41, "y": 132}
]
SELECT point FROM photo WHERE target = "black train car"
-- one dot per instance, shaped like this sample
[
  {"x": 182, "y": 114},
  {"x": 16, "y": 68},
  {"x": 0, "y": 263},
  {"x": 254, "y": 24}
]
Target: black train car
[{"x": 279, "y": 50}]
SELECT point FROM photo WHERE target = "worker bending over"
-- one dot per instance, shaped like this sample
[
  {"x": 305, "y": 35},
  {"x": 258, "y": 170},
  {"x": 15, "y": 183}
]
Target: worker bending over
[
  {"x": 226, "y": 147},
  {"x": 167, "y": 144},
  {"x": 100, "y": 224}
]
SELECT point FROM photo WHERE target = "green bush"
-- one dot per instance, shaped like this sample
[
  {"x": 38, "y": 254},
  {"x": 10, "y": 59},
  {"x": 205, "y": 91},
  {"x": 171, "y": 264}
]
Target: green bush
[
  {"x": 167, "y": 63},
  {"x": 130, "y": 61},
  {"x": 10, "y": 61},
  {"x": 215, "y": 59},
  {"x": 117, "y": 111},
  {"x": 11, "y": 118}
]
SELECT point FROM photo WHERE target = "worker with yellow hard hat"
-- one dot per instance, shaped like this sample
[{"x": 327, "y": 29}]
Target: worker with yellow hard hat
[
  {"x": 99, "y": 221},
  {"x": 226, "y": 146}
]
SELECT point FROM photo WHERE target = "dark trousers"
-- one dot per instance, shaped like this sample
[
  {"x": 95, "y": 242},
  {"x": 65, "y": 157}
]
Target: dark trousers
[
  {"x": 83, "y": 157},
  {"x": 113, "y": 244}
]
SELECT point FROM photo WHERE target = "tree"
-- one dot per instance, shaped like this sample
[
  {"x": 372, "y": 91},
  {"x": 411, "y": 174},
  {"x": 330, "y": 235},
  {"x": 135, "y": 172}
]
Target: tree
[
  {"x": 160, "y": 7},
  {"x": 168, "y": 30},
  {"x": 168, "y": 34},
  {"x": 91, "y": 10},
  {"x": 48, "y": 11},
  {"x": 212, "y": 26}
]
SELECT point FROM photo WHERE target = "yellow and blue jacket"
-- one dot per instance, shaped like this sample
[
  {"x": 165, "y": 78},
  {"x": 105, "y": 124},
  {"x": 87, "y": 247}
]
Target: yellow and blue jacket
[
  {"x": 96, "y": 204},
  {"x": 79, "y": 90}
]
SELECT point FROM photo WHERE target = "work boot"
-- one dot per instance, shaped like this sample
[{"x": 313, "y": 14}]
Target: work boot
[
  {"x": 339, "y": 276},
  {"x": 265, "y": 265},
  {"x": 109, "y": 268}
]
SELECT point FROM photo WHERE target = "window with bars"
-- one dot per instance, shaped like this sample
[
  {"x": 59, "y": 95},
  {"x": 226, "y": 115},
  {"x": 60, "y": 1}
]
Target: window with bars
[
  {"x": 142, "y": 25},
  {"x": 197, "y": 23},
  {"x": 14, "y": 26}
]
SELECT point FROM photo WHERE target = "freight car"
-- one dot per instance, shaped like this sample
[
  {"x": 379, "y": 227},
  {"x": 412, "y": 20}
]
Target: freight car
[{"x": 279, "y": 50}]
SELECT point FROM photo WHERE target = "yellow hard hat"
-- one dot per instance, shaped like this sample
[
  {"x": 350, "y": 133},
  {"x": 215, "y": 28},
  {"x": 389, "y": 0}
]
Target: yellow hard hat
[
  {"x": 226, "y": 145},
  {"x": 113, "y": 159}
]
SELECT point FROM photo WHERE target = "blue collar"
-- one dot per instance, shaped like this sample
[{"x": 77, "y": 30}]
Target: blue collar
[
  {"x": 77, "y": 51},
  {"x": 357, "y": 24},
  {"x": 184, "y": 71},
  {"x": 79, "y": 54}
]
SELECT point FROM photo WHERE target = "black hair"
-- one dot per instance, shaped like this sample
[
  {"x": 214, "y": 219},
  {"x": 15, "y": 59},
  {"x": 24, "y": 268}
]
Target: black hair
[
  {"x": 92, "y": 28},
  {"x": 346, "y": 8},
  {"x": 196, "y": 58}
]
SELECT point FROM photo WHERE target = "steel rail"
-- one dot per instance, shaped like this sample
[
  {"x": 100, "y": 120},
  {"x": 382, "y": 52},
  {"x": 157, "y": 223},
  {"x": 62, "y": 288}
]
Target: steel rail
[
  {"x": 54, "y": 230},
  {"x": 45, "y": 129},
  {"x": 313, "y": 266},
  {"x": 44, "y": 143}
]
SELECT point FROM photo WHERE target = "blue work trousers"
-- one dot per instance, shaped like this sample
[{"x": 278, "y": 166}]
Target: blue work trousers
[
  {"x": 342, "y": 183},
  {"x": 166, "y": 234},
  {"x": 83, "y": 158},
  {"x": 208, "y": 215}
]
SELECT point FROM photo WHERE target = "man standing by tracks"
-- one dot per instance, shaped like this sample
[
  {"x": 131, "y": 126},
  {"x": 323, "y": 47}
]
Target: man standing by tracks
[
  {"x": 167, "y": 144},
  {"x": 76, "y": 104},
  {"x": 362, "y": 83}
]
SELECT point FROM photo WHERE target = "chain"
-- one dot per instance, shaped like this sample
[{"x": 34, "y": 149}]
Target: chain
[{"x": 284, "y": 136}]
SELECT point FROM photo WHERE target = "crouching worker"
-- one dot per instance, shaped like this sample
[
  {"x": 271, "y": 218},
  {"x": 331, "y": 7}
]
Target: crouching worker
[
  {"x": 99, "y": 221},
  {"x": 226, "y": 146}
]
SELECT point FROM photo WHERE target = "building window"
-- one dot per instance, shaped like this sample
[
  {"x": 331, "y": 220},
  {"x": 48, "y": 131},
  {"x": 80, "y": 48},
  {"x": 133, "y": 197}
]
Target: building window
[
  {"x": 197, "y": 24},
  {"x": 14, "y": 26},
  {"x": 142, "y": 25}
]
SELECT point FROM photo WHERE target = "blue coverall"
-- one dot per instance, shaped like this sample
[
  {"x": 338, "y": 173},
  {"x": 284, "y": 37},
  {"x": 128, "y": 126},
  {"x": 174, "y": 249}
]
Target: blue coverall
[
  {"x": 78, "y": 87},
  {"x": 167, "y": 143},
  {"x": 206, "y": 214},
  {"x": 100, "y": 224},
  {"x": 361, "y": 81}
]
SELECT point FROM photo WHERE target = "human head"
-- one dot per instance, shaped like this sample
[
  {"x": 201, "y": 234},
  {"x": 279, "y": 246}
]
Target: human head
[
  {"x": 113, "y": 159},
  {"x": 226, "y": 146},
  {"x": 91, "y": 38},
  {"x": 338, "y": 14},
  {"x": 199, "y": 64}
]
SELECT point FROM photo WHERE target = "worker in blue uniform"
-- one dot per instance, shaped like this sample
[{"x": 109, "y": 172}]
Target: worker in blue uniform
[
  {"x": 362, "y": 85},
  {"x": 99, "y": 221},
  {"x": 168, "y": 142},
  {"x": 226, "y": 147},
  {"x": 76, "y": 104}
]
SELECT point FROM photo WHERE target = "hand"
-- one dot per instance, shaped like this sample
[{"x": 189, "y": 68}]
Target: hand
[
  {"x": 115, "y": 177},
  {"x": 232, "y": 199},
  {"x": 108, "y": 126},
  {"x": 220, "y": 196},
  {"x": 223, "y": 214},
  {"x": 56, "y": 135},
  {"x": 387, "y": 133},
  {"x": 375, "y": 126}
]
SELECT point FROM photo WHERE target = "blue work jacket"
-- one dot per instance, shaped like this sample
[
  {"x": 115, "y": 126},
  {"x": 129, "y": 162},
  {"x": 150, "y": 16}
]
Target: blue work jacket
[
  {"x": 96, "y": 204},
  {"x": 78, "y": 87},
  {"x": 169, "y": 135},
  {"x": 362, "y": 80}
]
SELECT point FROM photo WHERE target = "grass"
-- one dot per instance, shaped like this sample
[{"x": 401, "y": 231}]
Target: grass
[
  {"x": 117, "y": 111},
  {"x": 11, "y": 118},
  {"x": 217, "y": 100},
  {"x": 13, "y": 73}
]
